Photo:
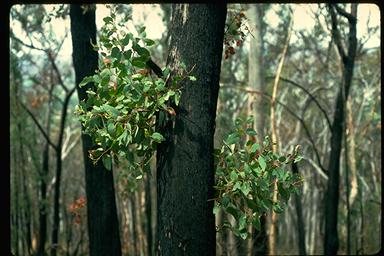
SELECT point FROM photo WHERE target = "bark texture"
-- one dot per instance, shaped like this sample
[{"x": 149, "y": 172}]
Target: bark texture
[
  {"x": 185, "y": 164},
  {"x": 103, "y": 228}
]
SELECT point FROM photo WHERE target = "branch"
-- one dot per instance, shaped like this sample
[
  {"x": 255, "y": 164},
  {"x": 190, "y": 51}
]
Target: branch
[
  {"x": 25, "y": 44},
  {"x": 50, "y": 57},
  {"x": 336, "y": 33},
  {"x": 310, "y": 95},
  {"x": 342, "y": 12},
  {"x": 39, "y": 126}
]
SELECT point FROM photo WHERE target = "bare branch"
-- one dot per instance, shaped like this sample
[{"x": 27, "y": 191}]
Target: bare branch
[
  {"x": 310, "y": 95},
  {"x": 336, "y": 33},
  {"x": 39, "y": 126},
  {"x": 342, "y": 12},
  {"x": 52, "y": 60},
  {"x": 25, "y": 44}
]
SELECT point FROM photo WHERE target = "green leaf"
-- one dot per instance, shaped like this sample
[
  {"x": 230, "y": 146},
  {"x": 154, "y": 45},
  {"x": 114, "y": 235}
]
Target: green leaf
[
  {"x": 283, "y": 192},
  {"x": 250, "y": 120},
  {"x": 277, "y": 208},
  {"x": 108, "y": 20},
  {"x": 251, "y": 132},
  {"x": 138, "y": 62},
  {"x": 116, "y": 53},
  {"x": 107, "y": 161},
  {"x": 111, "y": 128},
  {"x": 255, "y": 147},
  {"x": 297, "y": 159},
  {"x": 242, "y": 222},
  {"x": 256, "y": 222},
  {"x": 192, "y": 78},
  {"x": 232, "y": 138},
  {"x": 142, "y": 29},
  {"x": 245, "y": 188},
  {"x": 157, "y": 137},
  {"x": 141, "y": 51},
  {"x": 148, "y": 42},
  {"x": 128, "y": 54},
  {"x": 86, "y": 80},
  {"x": 236, "y": 186},
  {"x": 111, "y": 110},
  {"x": 233, "y": 176},
  {"x": 125, "y": 40},
  {"x": 262, "y": 162}
]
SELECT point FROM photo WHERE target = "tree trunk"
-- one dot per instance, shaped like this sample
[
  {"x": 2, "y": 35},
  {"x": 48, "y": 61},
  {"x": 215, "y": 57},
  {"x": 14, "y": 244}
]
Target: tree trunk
[
  {"x": 103, "y": 227},
  {"x": 148, "y": 213},
  {"x": 256, "y": 106},
  {"x": 331, "y": 241},
  {"x": 59, "y": 167},
  {"x": 185, "y": 164},
  {"x": 273, "y": 224},
  {"x": 300, "y": 219},
  {"x": 43, "y": 177}
]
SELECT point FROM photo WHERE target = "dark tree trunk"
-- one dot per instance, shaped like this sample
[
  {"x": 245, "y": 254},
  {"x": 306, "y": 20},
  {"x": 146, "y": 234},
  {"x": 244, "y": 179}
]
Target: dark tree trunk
[
  {"x": 300, "y": 220},
  {"x": 148, "y": 213},
  {"x": 59, "y": 167},
  {"x": 331, "y": 241},
  {"x": 260, "y": 239},
  {"x": 185, "y": 167},
  {"x": 103, "y": 228},
  {"x": 43, "y": 187}
]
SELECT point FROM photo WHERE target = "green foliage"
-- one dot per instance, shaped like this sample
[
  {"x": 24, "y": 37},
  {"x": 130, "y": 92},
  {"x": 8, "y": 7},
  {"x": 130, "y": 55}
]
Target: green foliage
[
  {"x": 246, "y": 173},
  {"x": 120, "y": 112},
  {"x": 235, "y": 33}
]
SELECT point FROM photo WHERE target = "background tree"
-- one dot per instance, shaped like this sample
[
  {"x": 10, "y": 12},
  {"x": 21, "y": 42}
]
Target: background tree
[{"x": 101, "y": 206}]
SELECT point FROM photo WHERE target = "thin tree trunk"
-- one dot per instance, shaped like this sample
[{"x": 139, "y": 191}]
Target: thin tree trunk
[
  {"x": 43, "y": 177},
  {"x": 148, "y": 213},
  {"x": 351, "y": 153},
  {"x": 103, "y": 226},
  {"x": 331, "y": 240},
  {"x": 135, "y": 232},
  {"x": 272, "y": 226},
  {"x": 300, "y": 219},
  {"x": 256, "y": 107},
  {"x": 59, "y": 166},
  {"x": 185, "y": 167}
]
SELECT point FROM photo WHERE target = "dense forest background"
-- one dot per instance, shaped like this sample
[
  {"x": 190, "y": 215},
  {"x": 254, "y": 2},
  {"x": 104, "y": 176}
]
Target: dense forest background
[{"x": 296, "y": 69}]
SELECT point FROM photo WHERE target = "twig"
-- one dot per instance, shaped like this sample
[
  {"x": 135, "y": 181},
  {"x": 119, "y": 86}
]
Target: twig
[{"x": 310, "y": 95}]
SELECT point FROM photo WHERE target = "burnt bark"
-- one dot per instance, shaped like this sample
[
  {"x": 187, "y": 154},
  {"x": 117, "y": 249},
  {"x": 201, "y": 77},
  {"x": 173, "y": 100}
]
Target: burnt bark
[
  {"x": 103, "y": 228},
  {"x": 185, "y": 164},
  {"x": 331, "y": 241}
]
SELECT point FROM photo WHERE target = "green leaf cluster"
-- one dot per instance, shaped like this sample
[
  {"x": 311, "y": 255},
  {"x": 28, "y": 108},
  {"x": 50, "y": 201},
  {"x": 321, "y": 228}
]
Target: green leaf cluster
[
  {"x": 120, "y": 111},
  {"x": 246, "y": 174}
]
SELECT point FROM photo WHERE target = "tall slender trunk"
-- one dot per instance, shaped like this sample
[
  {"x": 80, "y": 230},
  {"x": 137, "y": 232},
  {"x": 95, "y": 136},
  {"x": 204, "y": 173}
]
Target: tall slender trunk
[
  {"x": 185, "y": 167},
  {"x": 331, "y": 240},
  {"x": 59, "y": 166},
  {"x": 300, "y": 219},
  {"x": 43, "y": 178},
  {"x": 103, "y": 226},
  {"x": 272, "y": 227},
  {"x": 148, "y": 213},
  {"x": 256, "y": 107}
]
